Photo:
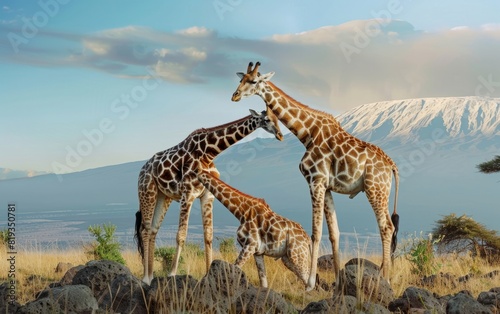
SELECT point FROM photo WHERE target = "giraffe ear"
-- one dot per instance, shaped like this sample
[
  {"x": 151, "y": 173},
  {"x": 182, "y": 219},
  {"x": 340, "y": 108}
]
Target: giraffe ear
[
  {"x": 266, "y": 77},
  {"x": 254, "y": 113},
  {"x": 240, "y": 74}
]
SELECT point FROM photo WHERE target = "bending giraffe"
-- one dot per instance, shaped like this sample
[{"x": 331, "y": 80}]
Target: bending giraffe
[
  {"x": 170, "y": 175},
  {"x": 262, "y": 231},
  {"x": 334, "y": 161}
]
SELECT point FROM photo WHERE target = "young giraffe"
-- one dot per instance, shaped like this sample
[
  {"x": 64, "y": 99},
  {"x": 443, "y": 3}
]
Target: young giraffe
[
  {"x": 334, "y": 161},
  {"x": 262, "y": 231},
  {"x": 170, "y": 175}
]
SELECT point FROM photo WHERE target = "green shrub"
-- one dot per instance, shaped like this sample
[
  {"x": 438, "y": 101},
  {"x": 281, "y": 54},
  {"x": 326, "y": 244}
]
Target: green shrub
[
  {"x": 420, "y": 253},
  {"x": 194, "y": 248},
  {"x": 4, "y": 236},
  {"x": 166, "y": 255},
  {"x": 106, "y": 246},
  {"x": 226, "y": 245}
]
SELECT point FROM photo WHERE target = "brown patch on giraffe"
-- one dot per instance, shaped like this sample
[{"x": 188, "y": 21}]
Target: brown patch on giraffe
[{"x": 334, "y": 138}]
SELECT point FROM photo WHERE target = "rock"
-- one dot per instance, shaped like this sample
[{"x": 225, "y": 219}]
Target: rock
[
  {"x": 374, "y": 288},
  {"x": 97, "y": 275},
  {"x": 320, "y": 307},
  {"x": 263, "y": 300},
  {"x": 490, "y": 299},
  {"x": 463, "y": 303},
  {"x": 8, "y": 304},
  {"x": 63, "y": 267},
  {"x": 125, "y": 295},
  {"x": 218, "y": 290},
  {"x": 171, "y": 294},
  {"x": 67, "y": 279},
  {"x": 74, "y": 299},
  {"x": 400, "y": 305},
  {"x": 225, "y": 288},
  {"x": 344, "y": 304},
  {"x": 325, "y": 262},
  {"x": 416, "y": 298}
]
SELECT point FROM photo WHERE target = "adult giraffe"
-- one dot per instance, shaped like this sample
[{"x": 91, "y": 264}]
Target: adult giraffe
[
  {"x": 170, "y": 175},
  {"x": 334, "y": 161}
]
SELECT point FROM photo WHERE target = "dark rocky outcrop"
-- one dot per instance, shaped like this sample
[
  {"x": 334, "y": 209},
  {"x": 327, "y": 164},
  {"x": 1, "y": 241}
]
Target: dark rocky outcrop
[{"x": 109, "y": 287}]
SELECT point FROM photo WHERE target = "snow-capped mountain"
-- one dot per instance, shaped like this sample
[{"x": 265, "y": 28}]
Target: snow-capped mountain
[
  {"x": 436, "y": 143},
  {"x": 408, "y": 121}
]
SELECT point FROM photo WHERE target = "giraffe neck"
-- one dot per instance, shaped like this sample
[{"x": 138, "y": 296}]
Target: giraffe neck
[
  {"x": 300, "y": 119},
  {"x": 215, "y": 140},
  {"x": 241, "y": 205}
]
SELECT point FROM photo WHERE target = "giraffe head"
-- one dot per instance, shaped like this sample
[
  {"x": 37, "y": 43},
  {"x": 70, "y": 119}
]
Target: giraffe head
[
  {"x": 250, "y": 83},
  {"x": 269, "y": 122}
]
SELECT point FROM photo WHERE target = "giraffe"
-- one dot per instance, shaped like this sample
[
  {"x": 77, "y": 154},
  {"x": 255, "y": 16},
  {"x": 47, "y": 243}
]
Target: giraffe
[
  {"x": 334, "y": 161},
  {"x": 262, "y": 231},
  {"x": 169, "y": 176}
]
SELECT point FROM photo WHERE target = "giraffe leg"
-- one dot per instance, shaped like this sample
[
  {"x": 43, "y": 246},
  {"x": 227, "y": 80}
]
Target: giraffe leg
[
  {"x": 333, "y": 231},
  {"x": 147, "y": 201},
  {"x": 317, "y": 189},
  {"x": 162, "y": 204},
  {"x": 261, "y": 269},
  {"x": 145, "y": 235},
  {"x": 206, "y": 201},
  {"x": 380, "y": 204},
  {"x": 248, "y": 250},
  {"x": 186, "y": 203}
]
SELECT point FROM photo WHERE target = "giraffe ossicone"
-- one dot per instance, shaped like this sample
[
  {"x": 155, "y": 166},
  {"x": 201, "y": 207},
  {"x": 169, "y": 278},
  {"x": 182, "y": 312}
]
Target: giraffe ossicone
[
  {"x": 262, "y": 231},
  {"x": 170, "y": 175},
  {"x": 334, "y": 161}
]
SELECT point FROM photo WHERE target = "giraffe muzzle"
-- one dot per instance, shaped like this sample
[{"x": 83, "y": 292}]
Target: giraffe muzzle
[
  {"x": 279, "y": 136},
  {"x": 236, "y": 96}
]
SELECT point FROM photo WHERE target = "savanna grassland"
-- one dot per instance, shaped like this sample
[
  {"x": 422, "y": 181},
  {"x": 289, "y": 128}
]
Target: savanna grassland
[{"x": 35, "y": 270}]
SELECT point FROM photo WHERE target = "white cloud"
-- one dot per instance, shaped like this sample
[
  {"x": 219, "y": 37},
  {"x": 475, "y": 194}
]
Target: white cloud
[
  {"x": 97, "y": 47},
  {"x": 196, "y": 31},
  {"x": 195, "y": 54},
  {"x": 491, "y": 27},
  {"x": 341, "y": 66}
]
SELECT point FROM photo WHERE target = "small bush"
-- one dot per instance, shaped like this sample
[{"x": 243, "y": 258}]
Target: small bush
[
  {"x": 4, "y": 237},
  {"x": 419, "y": 251},
  {"x": 166, "y": 255},
  {"x": 106, "y": 245},
  {"x": 226, "y": 245}
]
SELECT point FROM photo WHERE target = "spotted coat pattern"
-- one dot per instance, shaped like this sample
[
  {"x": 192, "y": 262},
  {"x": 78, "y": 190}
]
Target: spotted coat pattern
[
  {"x": 262, "y": 231},
  {"x": 334, "y": 161},
  {"x": 170, "y": 175}
]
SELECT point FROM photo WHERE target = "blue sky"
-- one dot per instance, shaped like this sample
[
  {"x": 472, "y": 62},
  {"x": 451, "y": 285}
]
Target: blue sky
[{"x": 117, "y": 81}]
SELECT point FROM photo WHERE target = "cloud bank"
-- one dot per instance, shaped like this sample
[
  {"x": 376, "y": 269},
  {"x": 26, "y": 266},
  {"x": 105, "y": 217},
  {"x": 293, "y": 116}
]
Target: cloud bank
[{"x": 343, "y": 65}]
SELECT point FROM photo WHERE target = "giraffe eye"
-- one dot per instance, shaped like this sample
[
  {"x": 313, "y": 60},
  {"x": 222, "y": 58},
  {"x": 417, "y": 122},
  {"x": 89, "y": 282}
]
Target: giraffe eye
[{"x": 253, "y": 82}]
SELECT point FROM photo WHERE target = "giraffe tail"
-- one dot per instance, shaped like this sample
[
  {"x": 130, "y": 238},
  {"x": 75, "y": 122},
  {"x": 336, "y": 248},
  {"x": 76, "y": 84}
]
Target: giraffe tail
[
  {"x": 395, "y": 216},
  {"x": 137, "y": 235}
]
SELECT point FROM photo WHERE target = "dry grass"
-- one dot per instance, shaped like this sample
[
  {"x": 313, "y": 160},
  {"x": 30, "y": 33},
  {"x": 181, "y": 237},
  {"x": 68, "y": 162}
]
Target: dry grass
[{"x": 35, "y": 270}]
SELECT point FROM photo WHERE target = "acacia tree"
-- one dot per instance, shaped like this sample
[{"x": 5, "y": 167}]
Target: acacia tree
[
  {"x": 490, "y": 166},
  {"x": 463, "y": 234}
]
